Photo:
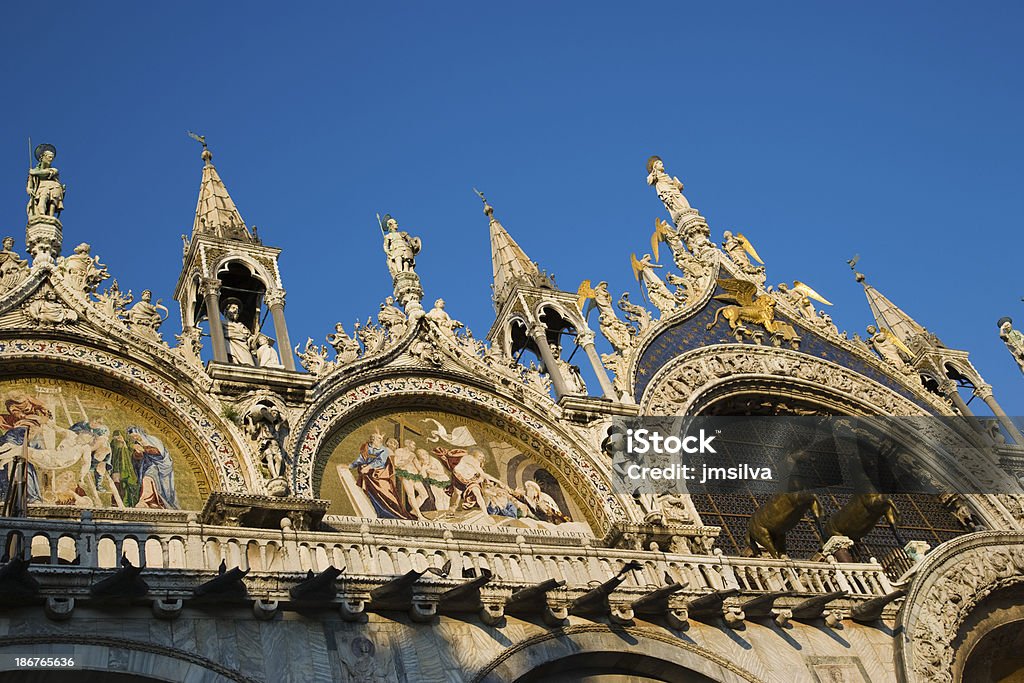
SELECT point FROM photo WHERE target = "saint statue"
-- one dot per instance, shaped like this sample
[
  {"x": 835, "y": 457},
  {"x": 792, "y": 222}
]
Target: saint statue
[
  {"x": 440, "y": 317},
  {"x": 1013, "y": 339},
  {"x": 46, "y": 194},
  {"x": 888, "y": 347},
  {"x": 670, "y": 189},
  {"x": 145, "y": 316},
  {"x": 400, "y": 247},
  {"x": 236, "y": 333},
  {"x": 345, "y": 347},
  {"x": 266, "y": 354}
]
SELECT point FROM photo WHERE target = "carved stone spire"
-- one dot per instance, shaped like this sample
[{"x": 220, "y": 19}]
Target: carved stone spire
[
  {"x": 510, "y": 263},
  {"x": 890, "y": 316},
  {"x": 216, "y": 213}
]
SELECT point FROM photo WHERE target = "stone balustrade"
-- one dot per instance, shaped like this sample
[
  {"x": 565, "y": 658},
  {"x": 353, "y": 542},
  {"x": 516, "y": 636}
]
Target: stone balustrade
[{"x": 181, "y": 543}]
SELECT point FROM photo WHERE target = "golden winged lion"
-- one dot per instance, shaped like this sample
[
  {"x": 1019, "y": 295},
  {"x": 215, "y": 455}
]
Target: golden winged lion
[{"x": 749, "y": 308}]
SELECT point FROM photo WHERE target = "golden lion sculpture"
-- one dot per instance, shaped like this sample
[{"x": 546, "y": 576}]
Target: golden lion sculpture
[{"x": 749, "y": 308}]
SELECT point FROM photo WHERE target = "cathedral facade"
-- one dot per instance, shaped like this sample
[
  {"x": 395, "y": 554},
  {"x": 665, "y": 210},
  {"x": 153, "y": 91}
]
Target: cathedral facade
[{"x": 408, "y": 502}]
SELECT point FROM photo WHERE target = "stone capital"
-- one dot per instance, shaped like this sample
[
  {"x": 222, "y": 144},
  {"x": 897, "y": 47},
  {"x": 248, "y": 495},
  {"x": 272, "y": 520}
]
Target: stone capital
[
  {"x": 586, "y": 337},
  {"x": 209, "y": 285},
  {"x": 983, "y": 391},
  {"x": 275, "y": 298}
]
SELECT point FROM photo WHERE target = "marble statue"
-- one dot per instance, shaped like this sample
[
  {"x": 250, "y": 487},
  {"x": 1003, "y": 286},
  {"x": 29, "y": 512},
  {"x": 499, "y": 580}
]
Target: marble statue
[
  {"x": 266, "y": 354},
  {"x": 400, "y": 247},
  {"x": 444, "y": 322},
  {"x": 392, "y": 319},
  {"x": 669, "y": 188},
  {"x": 13, "y": 268},
  {"x": 144, "y": 316},
  {"x": 570, "y": 373},
  {"x": 313, "y": 358},
  {"x": 46, "y": 194},
  {"x": 619, "y": 334},
  {"x": 657, "y": 291},
  {"x": 346, "y": 348},
  {"x": 1013, "y": 339},
  {"x": 83, "y": 271},
  {"x": 236, "y": 333}
]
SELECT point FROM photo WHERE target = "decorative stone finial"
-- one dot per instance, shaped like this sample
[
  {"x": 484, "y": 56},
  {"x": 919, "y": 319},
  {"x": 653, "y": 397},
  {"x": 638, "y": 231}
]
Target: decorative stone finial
[{"x": 207, "y": 155}]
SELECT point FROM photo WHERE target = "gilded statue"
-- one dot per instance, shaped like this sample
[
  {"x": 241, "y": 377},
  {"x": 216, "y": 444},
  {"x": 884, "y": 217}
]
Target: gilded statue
[
  {"x": 46, "y": 194},
  {"x": 740, "y": 250},
  {"x": 859, "y": 516},
  {"x": 771, "y": 521},
  {"x": 1013, "y": 339},
  {"x": 400, "y": 247},
  {"x": 750, "y": 307},
  {"x": 800, "y": 295},
  {"x": 669, "y": 188}
]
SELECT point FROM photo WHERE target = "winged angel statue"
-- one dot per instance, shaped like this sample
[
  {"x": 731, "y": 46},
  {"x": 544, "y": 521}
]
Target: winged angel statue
[{"x": 750, "y": 308}]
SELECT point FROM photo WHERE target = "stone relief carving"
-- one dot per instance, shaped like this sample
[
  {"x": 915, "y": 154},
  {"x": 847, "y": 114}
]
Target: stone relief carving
[
  {"x": 948, "y": 589},
  {"x": 113, "y": 301},
  {"x": 49, "y": 310},
  {"x": 267, "y": 427},
  {"x": 346, "y": 349}
]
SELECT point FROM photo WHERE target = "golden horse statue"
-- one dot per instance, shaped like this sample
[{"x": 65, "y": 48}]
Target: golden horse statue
[
  {"x": 771, "y": 521},
  {"x": 858, "y": 517}
]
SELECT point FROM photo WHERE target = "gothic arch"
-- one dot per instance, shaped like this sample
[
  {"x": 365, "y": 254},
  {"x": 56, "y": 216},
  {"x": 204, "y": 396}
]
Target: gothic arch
[
  {"x": 559, "y": 451},
  {"x": 650, "y": 650},
  {"x": 171, "y": 400},
  {"x": 949, "y": 586}
]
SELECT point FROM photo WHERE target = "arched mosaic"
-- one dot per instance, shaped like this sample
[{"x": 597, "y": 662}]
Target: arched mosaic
[
  {"x": 91, "y": 447},
  {"x": 438, "y": 466}
]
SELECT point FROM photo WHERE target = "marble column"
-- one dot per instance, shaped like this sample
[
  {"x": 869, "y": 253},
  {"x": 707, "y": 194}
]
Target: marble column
[
  {"x": 275, "y": 301},
  {"x": 984, "y": 392},
  {"x": 540, "y": 338},
  {"x": 586, "y": 340},
  {"x": 210, "y": 288}
]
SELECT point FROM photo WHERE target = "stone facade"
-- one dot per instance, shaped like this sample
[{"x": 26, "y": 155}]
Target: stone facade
[{"x": 422, "y": 505}]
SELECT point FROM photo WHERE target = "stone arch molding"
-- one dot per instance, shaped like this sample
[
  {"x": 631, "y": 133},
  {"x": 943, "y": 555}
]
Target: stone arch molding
[
  {"x": 953, "y": 580},
  {"x": 565, "y": 453},
  {"x": 681, "y": 385},
  {"x": 148, "y": 660},
  {"x": 696, "y": 379},
  {"x": 552, "y": 646},
  {"x": 219, "y": 445}
]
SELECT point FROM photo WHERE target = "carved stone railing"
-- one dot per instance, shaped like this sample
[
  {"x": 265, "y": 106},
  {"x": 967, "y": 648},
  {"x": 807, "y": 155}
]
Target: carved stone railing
[{"x": 179, "y": 554}]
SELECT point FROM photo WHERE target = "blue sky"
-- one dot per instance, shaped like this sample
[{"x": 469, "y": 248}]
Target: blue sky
[{"x": 817, "y": 130}]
